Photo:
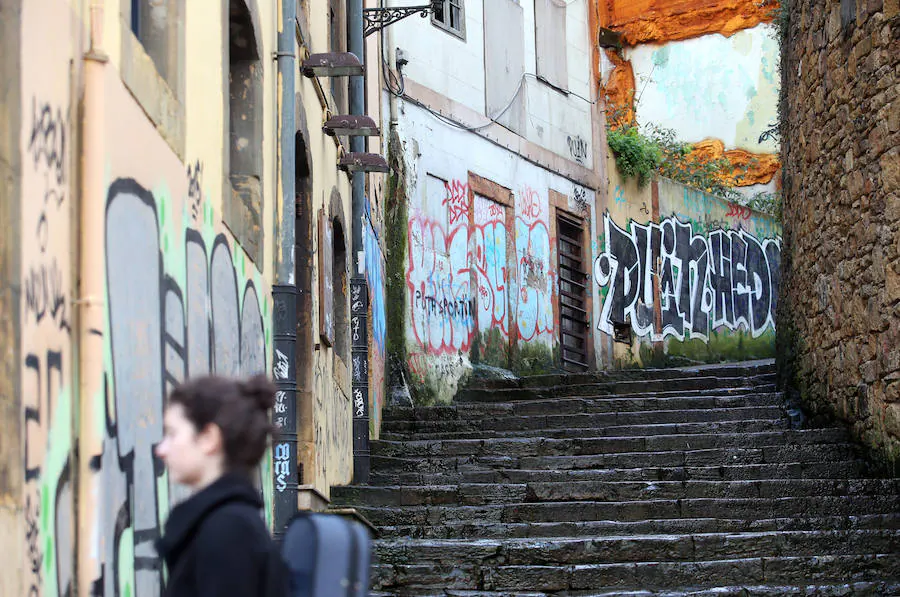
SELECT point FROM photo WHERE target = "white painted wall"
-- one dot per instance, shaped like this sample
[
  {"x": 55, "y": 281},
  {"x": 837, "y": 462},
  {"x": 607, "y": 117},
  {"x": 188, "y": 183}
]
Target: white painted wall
[
  {"x": 455, "y": 68},
  {"x": 434, "y": 150},
  {"x": 711, "y": 87}
]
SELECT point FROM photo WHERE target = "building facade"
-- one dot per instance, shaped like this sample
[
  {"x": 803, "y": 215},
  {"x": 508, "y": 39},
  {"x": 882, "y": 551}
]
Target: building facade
[
  {"x": 493, "y": 133},
  {"x": 173, "y": 208},
  {"x": 683, "y": 275},
  {"x": 838, "y": 322}
]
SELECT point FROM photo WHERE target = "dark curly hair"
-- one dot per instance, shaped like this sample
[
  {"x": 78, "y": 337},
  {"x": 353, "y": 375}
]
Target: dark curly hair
[{"x": 238, "y": 407}]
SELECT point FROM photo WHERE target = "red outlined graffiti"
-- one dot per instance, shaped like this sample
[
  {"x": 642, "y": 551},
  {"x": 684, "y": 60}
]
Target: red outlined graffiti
[
  {"x": 489, "y": 260},
  {"x": 529, "y": 205},
  {"x": 534, "y": 313},
  {"x": 457, "y": 202},
  {"x": 438, "y": 277}
]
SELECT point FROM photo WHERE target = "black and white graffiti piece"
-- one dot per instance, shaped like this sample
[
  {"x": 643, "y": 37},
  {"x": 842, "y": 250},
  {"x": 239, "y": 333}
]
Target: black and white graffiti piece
[{"x": 727, "y": 279}]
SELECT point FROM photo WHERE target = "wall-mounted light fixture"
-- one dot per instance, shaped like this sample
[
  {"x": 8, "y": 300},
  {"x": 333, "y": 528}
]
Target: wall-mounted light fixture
[
  {"x": 363, "y": 162},
  {"x": 351, "y": 126},
  {"x": 332, "y": 64},
  {"x": 377, "y": 19}
]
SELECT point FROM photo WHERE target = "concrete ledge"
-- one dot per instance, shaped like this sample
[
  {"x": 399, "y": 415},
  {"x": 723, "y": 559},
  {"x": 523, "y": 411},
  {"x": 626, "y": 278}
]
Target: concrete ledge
[
  {"x": 309, "y": 498},
  {"x": 152, "y": 92},
  {"x": 499, "y": 135},
  {"x": 354, "y": 514}
]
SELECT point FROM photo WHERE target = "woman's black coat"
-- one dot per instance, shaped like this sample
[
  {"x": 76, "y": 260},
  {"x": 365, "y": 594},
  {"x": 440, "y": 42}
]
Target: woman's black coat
[{"x": 217, "y": 545}]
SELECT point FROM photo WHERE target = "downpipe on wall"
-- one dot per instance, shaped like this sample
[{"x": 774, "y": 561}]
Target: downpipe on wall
[
  {"x": 284, "y": 291},
  {"x": 89, "y": 307},
  {"x": 359, "y": 292}
]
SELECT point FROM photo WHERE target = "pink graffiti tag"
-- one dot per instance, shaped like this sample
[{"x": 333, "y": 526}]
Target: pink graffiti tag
[
  {"x": 530, "y": 204},
  {"x": 457, "y": 201}
]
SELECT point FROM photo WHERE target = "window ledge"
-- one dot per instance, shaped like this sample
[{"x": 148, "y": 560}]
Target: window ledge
[
  {"x": 458, "y": 33},
  {"x": 152, "y": 92}
]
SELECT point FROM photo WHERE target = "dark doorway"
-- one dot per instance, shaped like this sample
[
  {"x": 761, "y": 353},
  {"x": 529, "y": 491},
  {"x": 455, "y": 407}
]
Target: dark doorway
[{"x": 573, "y": 315}]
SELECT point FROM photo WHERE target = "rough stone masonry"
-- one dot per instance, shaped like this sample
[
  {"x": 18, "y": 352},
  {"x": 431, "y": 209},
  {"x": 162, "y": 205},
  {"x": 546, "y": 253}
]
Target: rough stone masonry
[{"x": 839, "y": 318}]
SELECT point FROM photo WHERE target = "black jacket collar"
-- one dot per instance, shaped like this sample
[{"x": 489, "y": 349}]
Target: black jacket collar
[{"x": 187, "y": 516}]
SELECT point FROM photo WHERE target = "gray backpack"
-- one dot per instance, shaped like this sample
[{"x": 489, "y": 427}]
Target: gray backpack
[{"x": 326, "y": 555}]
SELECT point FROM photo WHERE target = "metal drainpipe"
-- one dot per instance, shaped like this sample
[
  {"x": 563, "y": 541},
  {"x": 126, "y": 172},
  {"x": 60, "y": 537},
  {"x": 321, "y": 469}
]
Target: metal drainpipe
[
  {"x": 90, "y": 305},
  {"x": 284, "y": 290},
  {"x": 359, "y": 292}
]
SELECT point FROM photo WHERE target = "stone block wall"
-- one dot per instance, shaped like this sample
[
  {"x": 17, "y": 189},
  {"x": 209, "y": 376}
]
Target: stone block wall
[{"x": 839, "y": 317}]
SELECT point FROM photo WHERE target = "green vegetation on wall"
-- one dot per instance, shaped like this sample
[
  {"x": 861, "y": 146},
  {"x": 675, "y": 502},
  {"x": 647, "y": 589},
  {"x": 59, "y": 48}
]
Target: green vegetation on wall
[
  {"x": 641, "y": 154},
  {"x": 534, "y": 358},
  {"x": 395, "y": 226},
  {"x": 725, "y": 346}
]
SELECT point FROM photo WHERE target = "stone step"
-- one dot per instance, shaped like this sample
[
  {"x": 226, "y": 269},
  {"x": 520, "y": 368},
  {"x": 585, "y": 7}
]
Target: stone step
[
  {"x": 479, "y": 494},
  {"x": 632, "y": 510},
  {"x": 856, "y": 589},
  {"x": 475, "y": 530},
  {"x": 564, "y": 551},
  {"x": 732, "y": 371},
  {"x": 794, "y": 470},
  {"x": 792, "y": 571},
  {"x": 778, "y": 454},
  {"x": 587, "y": 420},
  {"x": 555, "y": 429},
  {"x": 538, "y": 446},
  {"x": 683, "y": 385},
  {"x": 578, "y": 404}
]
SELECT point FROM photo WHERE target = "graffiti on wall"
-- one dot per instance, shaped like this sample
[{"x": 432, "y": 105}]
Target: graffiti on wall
[
  {"x": 489, "y": 261},
  {"x": 375, "y": 281},
  {"x": 578, "y": 148},
  {"x": 438, "y": 278},
  {"x": 178, "y": 306},
  {"x": 536, "y": 279},
  {"x": 46, "y": 348},
  {"x": 725, "y": 278},
  {"x": 449, "y": 261}
]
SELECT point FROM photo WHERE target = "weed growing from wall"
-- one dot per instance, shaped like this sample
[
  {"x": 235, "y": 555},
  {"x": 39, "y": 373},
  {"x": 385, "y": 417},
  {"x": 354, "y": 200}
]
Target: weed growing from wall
[
  {"x": 641, "y": 152},
  {"x": 637, "y": 156}
]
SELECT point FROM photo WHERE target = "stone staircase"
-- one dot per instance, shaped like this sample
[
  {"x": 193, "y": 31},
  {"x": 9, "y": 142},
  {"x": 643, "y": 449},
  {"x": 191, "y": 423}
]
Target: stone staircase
[{"x": 666, "y": 482}]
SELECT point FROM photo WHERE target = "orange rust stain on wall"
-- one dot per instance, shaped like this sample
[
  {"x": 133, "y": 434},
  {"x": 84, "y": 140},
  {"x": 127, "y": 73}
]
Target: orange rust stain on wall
[
  {"x": 753, "y": 168},
  {"x": 645, "y": 21},
  {"x": 619, "y": 91}
]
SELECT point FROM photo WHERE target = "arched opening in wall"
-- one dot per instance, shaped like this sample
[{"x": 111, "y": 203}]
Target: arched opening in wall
[
  {"x": 341, "y": 292},
  {"x": 243, "y": 210}
]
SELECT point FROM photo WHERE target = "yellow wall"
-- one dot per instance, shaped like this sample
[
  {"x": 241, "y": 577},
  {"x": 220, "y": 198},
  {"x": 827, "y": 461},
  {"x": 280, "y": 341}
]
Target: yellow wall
[{"x": 129, "y": 201}]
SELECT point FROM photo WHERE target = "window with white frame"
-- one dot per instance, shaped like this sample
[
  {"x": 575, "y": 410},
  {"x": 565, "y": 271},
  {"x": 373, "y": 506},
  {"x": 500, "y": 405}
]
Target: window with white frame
[{"x": 450, "y": 15}]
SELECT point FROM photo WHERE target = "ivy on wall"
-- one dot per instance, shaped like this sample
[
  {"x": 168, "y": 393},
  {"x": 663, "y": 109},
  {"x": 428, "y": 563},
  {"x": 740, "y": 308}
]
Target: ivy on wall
[{"x": 641, "y": 152}]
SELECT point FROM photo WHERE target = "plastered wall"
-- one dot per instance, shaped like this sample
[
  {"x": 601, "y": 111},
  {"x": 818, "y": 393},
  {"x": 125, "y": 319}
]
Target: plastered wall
[
  {"x": 706, "y": 70},
  {"x": 480, "y": 255},
  {"x": 684, "y": 276}
]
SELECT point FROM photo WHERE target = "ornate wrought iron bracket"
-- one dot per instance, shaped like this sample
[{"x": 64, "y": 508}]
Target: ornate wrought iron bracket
[{"x": 377, "y": 19}]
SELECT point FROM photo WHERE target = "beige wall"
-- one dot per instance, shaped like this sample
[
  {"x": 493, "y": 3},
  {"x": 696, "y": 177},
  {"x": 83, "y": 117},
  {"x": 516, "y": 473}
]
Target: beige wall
[
  {"x": 124, "y": 183},
  {"x": 11, "y": 473},
  {"x": 327, "y": 455},
  {"x": 50, "y": 76},
  {"x": 178, "y": 295}
]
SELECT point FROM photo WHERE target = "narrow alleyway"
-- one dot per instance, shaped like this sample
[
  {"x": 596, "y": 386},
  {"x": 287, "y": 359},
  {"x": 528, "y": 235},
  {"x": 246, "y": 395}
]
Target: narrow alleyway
[{"x": 666, "y": 482}]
